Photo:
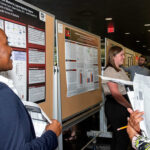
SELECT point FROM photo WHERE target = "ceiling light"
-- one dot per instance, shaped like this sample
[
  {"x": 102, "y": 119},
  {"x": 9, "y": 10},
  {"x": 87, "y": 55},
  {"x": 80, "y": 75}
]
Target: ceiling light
[
  {"x": 108, "y": 19},
  {"x": 148, "y": 30},
  {"x": 127, "y": 33},
  {"x": 146, "y": 25},
  {"x": 144, "y": 45},
  {"x": 137, "y": 41}
]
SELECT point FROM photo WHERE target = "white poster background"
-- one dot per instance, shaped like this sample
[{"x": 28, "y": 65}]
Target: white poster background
[
  {"x": 1, "y": 24},
  {"x": 16, "y": 34},
  {"x": 18, "y": 73},
  {"x": 36, "y": 93},
  {"x": 81, "y": 68}
]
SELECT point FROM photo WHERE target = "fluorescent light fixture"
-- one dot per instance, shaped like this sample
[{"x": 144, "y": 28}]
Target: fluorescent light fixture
[
  {"x": 144, "y": 45},
  {"x": 108, "y": 19},
  {"x": 137, "y": 41},
  {"x": 127, "y": 33},
  {"x": 147, "y": 25}
]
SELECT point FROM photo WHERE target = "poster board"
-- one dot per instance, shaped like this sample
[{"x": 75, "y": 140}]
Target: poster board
[
  {"x": 73, "y": 104},
  {"x": 129, "y": 54},
  {"x": 30, "y": 33},
  {"x": 136, "y": 57},
  {"x": 108, "y": 44},
  {"x": 129, "y": 57}
]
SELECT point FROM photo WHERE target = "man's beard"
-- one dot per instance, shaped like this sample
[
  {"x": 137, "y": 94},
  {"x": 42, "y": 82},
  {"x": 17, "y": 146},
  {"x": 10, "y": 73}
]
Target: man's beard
[{"x": 141, "y": 65}]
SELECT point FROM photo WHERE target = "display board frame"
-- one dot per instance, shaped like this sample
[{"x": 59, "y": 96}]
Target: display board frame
[
  {"x": 75, "y": 104},
  {"x": 137, "y": 55},
  {"x": 46, "y": 105},
  {"x": 129, "y": 57}
]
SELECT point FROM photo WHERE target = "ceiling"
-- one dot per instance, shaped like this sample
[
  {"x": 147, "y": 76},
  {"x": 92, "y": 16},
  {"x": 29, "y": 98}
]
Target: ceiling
[{"x": 127, "y": 16}]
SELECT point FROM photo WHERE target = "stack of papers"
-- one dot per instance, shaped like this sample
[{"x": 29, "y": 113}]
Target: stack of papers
[
  {"x": 39, "y": 118},
  {"x": 139, "y": 98}
]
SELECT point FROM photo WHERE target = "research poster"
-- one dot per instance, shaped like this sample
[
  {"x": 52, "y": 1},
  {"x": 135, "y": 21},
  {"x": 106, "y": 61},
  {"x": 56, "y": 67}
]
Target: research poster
[
  {"x": 128, "y": 60},
  {"x": 129, "y": 57},
  {"x": 25, "y": 30},
  {"x": 81, "y": 63}
]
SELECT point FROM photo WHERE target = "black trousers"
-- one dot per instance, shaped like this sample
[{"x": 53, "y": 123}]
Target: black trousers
[{"x": 117, "y": 116}]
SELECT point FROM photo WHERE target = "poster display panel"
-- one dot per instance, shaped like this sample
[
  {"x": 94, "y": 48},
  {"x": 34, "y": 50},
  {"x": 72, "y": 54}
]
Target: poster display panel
[
  {"x": 79, "y": 61},
  {"x": 129, "y": 57},
  {"x": 25, "y": 29}
]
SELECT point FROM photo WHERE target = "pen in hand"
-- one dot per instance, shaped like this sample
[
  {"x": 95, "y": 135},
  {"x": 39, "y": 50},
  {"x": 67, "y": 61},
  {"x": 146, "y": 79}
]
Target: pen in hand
[{"x": 121, "y": 128}]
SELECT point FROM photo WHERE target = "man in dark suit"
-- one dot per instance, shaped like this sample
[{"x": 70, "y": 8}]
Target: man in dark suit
[{"x": 16, "y": 128}]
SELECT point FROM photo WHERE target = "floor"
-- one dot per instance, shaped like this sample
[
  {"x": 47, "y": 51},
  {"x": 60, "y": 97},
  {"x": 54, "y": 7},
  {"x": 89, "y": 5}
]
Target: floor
[
  {"x": 81, "y": 139},
  {"x": 92, "y": 123}
]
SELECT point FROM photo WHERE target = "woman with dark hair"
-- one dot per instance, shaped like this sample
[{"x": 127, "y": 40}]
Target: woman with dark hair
[{"x": 116, "y": 98}]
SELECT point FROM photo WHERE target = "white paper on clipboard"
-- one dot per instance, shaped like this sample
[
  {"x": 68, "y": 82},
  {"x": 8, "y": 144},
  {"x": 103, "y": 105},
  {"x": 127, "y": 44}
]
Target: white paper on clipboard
[{"x": 39, "y": 118}]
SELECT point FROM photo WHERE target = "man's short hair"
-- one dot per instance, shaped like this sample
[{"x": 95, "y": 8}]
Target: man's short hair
[{"x": 142, "y": 56}]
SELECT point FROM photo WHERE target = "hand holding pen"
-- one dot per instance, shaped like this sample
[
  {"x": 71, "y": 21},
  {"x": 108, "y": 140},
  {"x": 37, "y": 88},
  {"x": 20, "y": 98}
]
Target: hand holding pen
[
  {"x": 133, "y": 127},
  {"x": 134, "y": 120}
]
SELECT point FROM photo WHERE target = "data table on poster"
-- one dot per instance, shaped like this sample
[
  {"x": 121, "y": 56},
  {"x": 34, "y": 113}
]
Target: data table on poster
[{"x": 36, "y": 56}]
